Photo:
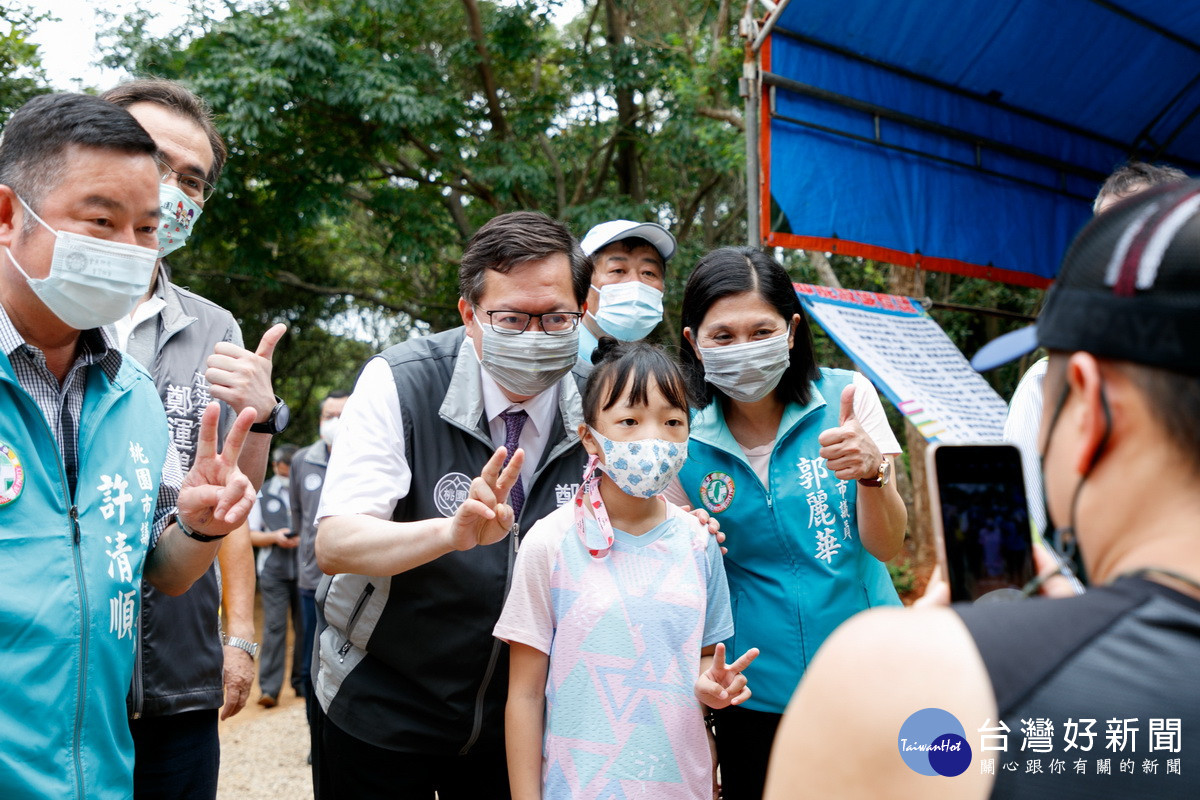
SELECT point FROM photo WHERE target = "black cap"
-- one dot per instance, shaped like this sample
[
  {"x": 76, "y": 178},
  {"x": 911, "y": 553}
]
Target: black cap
[{"x": 1129, "y": 287}]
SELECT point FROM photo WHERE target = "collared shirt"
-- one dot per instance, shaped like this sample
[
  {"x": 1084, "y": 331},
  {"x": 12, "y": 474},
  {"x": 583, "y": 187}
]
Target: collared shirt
[
  {"x": 62, "y": 404},
  {"x": 144, "y": 313},
  {"x": 372, "y": 433}
]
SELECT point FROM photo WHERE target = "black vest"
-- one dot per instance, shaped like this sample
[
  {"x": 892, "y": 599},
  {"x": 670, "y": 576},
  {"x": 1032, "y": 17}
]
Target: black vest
[
  {"x": 409, "y": 662},
  {"x": 1125, "y": 651}
]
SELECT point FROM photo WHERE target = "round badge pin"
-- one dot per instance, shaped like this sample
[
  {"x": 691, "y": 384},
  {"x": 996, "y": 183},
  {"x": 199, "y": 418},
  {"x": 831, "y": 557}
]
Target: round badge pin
[
  {"x": 716, "y": 491},
  {"x": 12, "y": 474},
  {"x": 451, "y": 492}
]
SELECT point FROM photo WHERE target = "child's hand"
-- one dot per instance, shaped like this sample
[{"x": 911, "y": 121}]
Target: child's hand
[
  {"x": 724, "y": 685},
  {"x": 485, "y": 517}
]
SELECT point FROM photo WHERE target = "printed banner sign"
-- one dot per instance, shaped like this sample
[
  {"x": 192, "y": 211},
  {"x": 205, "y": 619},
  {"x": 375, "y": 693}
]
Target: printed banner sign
[{"x": 911, "y": 360}]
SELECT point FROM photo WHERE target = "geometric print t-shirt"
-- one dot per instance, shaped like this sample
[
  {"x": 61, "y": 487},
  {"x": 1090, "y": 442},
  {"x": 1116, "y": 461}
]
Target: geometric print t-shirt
[{"x": 624, "y": 635}]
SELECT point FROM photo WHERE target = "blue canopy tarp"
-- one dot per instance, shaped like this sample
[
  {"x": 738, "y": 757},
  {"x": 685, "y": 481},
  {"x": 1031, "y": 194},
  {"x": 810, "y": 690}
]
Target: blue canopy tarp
[{"x": 967, "y": 136}]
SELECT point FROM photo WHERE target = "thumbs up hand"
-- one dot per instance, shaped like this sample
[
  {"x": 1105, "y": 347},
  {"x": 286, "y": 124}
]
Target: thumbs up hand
[
  {"x": 242, "y": 378},
  {"x": 849, "y": 453}
]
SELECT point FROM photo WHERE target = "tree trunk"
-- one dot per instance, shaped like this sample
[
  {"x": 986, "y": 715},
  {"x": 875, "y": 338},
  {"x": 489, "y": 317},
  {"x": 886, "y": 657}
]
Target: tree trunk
[
  {"x": 629, "y": 173},
  {"x": 911, "y": 283}
]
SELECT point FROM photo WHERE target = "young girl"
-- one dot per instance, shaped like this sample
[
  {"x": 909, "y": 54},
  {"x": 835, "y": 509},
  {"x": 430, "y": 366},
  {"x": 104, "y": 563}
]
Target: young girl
[{"x": 618, "y": 602}]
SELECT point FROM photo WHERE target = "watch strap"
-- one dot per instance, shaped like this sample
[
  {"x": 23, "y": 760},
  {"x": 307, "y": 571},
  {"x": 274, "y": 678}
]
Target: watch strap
[
  {"x": 199, "y": 537},
  {"x": 271, "y": 423},
  {"x": 880, "y": 479},
  {"x": 241, "y": 644}
]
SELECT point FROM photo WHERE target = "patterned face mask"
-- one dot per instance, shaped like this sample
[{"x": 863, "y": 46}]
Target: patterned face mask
[{"x": 642, "y": 468}]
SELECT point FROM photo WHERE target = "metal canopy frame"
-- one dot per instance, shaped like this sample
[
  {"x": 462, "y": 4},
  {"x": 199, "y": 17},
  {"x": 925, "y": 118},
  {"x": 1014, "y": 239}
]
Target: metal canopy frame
[{"x": 759, "y": 87}]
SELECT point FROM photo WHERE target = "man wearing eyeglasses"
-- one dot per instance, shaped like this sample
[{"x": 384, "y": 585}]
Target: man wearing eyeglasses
[
  {"x": 410, "y": 679},
  {"x": 193, "y": 348}
]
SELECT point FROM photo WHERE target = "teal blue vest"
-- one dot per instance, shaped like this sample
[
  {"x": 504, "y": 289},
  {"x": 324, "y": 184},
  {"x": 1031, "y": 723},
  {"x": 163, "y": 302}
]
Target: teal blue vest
[
  {"x": 70, "y": 589},
  {"x": 796, "y": 566}
]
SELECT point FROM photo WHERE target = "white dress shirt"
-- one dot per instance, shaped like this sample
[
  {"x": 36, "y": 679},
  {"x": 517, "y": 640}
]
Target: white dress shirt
[{"x": 368, "y": 467}]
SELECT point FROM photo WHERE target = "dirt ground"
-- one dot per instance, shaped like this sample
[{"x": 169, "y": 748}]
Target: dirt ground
[{"x": 264, "y": 751}]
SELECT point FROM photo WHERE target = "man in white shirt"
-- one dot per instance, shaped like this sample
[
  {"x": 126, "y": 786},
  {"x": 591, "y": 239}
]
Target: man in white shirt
[{"x": 409, "y": 677}]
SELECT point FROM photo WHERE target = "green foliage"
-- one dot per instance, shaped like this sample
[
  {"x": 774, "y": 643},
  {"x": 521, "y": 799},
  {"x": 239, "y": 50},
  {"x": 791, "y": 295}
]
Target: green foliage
[
  {"x": 903, "y": 576},
  {"x": 369, "y": 139},
  {"x": 21, "y": 73}
]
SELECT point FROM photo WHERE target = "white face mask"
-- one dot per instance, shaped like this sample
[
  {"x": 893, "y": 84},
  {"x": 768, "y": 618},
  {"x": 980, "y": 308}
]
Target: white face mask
[
  {"x": 629, "y": 310},
  {"x": 330, "y": 428},
  {"x": 530, "y": 362},
  {"x": 179, "y": 215},
  {"x": 641, "y": 468},
  {"x": 92, "y": 282},
  {"x": 748, "y": 371}
]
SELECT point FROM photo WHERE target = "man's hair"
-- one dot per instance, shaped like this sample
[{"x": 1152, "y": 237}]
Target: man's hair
[
  {"x": 1134, "y": 176},
  {"x": 510, "y": 240},
  {"x": 336, "y": 394},
  {"x": 37, "y": 136},
  {"x": 177, "y": 98},
  {"x": 628, "y": 245},
  {"x": 283, "y": 454}
]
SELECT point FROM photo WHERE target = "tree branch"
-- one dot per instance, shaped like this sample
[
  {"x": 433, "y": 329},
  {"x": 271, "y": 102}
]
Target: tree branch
[
  {"x": 723, "y": 115},
  {"x": 495, "y": 111},
  {"x": 689, "y": 213},
  {"x": 560, "y": 180}
]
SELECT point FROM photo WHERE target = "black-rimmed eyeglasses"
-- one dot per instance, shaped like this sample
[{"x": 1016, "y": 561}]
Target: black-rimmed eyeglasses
[{"x": 554, "y": 323}]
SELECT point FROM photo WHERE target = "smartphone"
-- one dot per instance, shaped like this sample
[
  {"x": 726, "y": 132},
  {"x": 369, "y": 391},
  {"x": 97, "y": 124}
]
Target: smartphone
[
  {"x": 291, "y": 534},
  {"x": 981, "y": 520}
]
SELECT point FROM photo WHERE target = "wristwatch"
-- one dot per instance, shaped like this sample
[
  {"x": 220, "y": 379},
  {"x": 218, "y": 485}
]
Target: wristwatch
[
  {"x": 281, "y": 415},
  {"x": 241, "y": 644},
  {"x": 885, "y": 475}
]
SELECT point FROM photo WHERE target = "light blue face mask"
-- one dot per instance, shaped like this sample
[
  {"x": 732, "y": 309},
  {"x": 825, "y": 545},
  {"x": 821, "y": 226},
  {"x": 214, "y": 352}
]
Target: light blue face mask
[
  {"x": 629, "y": 310},
  {"x": 642, "y": 468},
  {"x": 179, "y": 215},
  {"x": 92, "y": 282}
]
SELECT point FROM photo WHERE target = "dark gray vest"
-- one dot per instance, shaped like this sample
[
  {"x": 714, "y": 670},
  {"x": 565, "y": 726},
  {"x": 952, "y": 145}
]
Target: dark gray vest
[
  {"x": 409, "y": 662},
  {"x": 179, "y": 658},
  {"x": 279, "y": 564}
]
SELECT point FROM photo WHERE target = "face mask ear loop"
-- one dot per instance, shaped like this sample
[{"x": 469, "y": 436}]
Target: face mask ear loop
[
  {"x": 1053, "y": 537},
  {"x": 1100, "y": 448}
]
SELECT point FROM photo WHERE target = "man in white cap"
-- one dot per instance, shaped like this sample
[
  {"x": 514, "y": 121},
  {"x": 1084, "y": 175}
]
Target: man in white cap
[{"x": 625, "y": 299}]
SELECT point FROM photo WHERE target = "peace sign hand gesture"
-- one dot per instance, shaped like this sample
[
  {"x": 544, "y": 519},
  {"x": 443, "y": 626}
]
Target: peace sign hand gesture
[
  {"x": 485, "y": 516},
  {"x": 215, "y": 497},
  {"x": 724, "y": 685}
]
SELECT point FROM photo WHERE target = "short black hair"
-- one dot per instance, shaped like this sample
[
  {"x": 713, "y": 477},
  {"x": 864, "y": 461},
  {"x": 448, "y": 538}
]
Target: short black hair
[
  {"x": 510, "y": 240},
  {"x": 622, "y": 366},
  {"x": 39, "y": 133},
  {"x": 336, "y": 394},
  {"x": 735, "y": 270},
  {"x": 629, "y": 244},
  {"x": 177, "y": 98}
]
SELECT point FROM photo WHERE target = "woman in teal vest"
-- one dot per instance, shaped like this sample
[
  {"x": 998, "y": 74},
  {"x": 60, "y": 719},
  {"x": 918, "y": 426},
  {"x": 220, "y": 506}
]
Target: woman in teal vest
[{"x": 795, "y": 462}]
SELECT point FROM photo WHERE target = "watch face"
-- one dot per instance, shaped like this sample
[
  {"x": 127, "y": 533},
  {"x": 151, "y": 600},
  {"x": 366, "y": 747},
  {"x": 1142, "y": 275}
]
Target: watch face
[{"x": 283, "y": 416}]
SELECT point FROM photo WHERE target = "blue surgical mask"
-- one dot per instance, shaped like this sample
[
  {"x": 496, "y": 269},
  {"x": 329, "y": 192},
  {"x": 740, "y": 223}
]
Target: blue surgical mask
[
  {"x": 179, "y": 215},
  {"x": 92, "y": 282},
  {"x": 628, "y": 310}
]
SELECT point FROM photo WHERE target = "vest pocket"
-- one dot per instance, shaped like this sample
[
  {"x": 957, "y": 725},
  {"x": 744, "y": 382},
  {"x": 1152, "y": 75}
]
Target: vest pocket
[{"x": 359, "y": 604}]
